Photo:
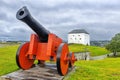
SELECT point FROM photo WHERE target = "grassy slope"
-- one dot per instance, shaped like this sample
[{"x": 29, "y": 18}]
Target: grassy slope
[
  {"x": 7, "y": 59},
  {"x": 107, "y": 69},
  {"x": 95, "y": 51},
  {"x": 8, "y": 63}
]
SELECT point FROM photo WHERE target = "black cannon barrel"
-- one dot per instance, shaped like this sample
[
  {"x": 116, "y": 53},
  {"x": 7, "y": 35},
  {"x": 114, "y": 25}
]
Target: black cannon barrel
[{"x": 24, "y": 15}]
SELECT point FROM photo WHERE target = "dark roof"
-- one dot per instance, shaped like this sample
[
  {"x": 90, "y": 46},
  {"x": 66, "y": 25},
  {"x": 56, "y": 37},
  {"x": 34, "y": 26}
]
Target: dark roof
[{"x": 78, "y": 31}]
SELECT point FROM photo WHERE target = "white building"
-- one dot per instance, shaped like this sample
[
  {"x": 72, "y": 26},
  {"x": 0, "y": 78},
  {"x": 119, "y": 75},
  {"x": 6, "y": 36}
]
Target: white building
[{"x": 79, "y": 36}]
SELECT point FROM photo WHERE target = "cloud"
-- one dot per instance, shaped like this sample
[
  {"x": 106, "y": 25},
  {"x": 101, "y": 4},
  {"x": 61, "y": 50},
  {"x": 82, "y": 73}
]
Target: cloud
[{"x": 99, "y": 17}]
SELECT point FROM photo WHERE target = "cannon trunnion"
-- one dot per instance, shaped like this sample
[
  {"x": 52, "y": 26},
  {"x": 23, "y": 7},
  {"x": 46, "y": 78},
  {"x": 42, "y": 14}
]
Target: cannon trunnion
[{"x": 42, "y": 46}]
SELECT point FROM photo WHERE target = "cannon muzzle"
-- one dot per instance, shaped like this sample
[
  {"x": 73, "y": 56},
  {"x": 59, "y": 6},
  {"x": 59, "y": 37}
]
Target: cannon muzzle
[{"x": 24, "y": 15}]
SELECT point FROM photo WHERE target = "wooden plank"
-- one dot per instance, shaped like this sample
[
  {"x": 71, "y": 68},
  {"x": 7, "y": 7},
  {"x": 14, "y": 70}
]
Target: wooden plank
[{"x": 49, "y": 72}]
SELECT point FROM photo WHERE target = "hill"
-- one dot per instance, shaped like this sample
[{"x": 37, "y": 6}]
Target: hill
[
  {"x": 8, "y": 53},
  {"x": 107, "y": 69},
  {"x": 94, "y": 50}
]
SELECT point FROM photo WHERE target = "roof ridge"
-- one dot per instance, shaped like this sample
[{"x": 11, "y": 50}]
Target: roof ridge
[{"x": 79, "y": 31}]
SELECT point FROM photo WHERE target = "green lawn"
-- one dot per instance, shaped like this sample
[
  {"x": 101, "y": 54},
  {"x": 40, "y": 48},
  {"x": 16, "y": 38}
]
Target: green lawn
[
  {"x": 94, "y": 51},
  {"x": 7, "y": 59},
  {"x": 107, "y": 69}
]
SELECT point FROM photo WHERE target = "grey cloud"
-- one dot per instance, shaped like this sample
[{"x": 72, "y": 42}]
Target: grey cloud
[
  {"x": 97, "y": 31},
  {"x": 81, "y": 5},
  {"x": 3, "y": 16},
  {"x": 99, "y": 18}
]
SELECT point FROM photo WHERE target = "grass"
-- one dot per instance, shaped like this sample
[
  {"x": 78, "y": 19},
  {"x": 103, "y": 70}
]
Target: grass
[
  {"x": 86, "y": 70},
  {"x": 7, "y": 59},
  {"x": 94, "y": 50},
  {"x": 107, "y": 69}
]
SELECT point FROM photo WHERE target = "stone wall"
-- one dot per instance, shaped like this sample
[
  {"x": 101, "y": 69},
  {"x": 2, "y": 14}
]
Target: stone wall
[
  {"x": 112, "y": 55},
  {"x": 86, "y": 56},
  {"x": 99, "y": 57},
  {"x": 82, "y": 56}
]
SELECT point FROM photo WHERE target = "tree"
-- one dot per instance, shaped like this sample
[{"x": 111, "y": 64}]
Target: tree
[{"x": 114, "y": 45}]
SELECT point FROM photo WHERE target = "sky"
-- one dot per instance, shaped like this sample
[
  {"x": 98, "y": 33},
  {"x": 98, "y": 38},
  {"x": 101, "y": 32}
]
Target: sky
[{"x": 100, "y": 18}]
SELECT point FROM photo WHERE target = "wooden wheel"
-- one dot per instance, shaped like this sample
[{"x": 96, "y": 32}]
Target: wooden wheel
[
  {"x": 62, "y": 59},
  {"x": 22, "y": 59}
]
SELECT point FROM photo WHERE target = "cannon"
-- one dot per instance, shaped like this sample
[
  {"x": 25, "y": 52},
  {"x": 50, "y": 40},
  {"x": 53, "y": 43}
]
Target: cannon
[{"x": 43, "y": 46}]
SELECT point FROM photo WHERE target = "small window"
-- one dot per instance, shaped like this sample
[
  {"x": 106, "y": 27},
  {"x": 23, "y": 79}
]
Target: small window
[{"x": 80, "y": 38}]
